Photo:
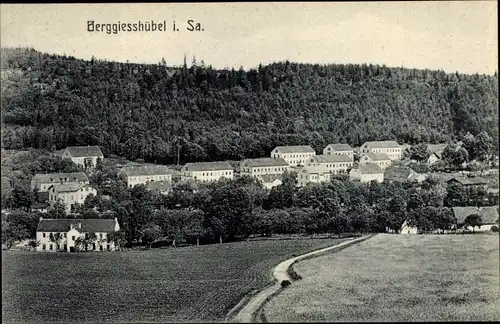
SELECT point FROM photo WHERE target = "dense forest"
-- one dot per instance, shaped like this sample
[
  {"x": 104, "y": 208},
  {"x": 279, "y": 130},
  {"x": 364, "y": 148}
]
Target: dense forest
[{"x": 155, "y": 111}]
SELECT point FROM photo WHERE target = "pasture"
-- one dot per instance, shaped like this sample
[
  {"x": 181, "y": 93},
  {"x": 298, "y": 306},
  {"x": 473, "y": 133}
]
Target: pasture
[
  {"x": 397, "y": 278},
  {"x": 190, "y": 284}
]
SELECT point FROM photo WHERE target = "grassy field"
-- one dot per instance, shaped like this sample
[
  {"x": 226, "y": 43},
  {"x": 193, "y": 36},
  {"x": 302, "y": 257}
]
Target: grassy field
[
  {"x": 397, "y": 278},
  {"x": 191, "y": 284}
]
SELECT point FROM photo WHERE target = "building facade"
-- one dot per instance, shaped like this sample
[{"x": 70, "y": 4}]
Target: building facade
[
  {"x": 366, "y": 172},
  {"x": 307, "y": 175},
  {"x": 143, "y": 174},
  {"x": 335, "y": 164},
  {"x": 70, "y": 194},
  {"x": 393, "y": 150},
  {"x": 293, "y": 155},
  {"x": 339, "y": 149},
  {"x": 207, "y": 171},
  {"x": 42, "y": 181},
  {"x": 84, "y": 156},
  {"x": 380, "y": 159},
  {"x": 270, "y": 181},
  {"x": 263, "y": 166}
]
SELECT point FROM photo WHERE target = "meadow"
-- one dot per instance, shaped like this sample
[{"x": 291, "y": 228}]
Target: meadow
[
  {"x": 396, "y": 278},
  {"x": 189, "y": 284}
]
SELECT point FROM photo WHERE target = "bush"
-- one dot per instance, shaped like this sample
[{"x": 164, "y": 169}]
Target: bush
[
  {"x": 494, "y": 229},
  {"x": 285, "y": 283}
]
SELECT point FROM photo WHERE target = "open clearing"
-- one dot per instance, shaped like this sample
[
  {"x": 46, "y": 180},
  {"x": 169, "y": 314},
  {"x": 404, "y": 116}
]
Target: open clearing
[
  {"x": 397, "y": 278},
  {"x": 191, "y": 284}
]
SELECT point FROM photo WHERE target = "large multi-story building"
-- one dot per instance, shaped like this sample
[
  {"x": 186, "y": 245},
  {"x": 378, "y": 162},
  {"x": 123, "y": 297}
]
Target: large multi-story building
[
  {"x": 391, "y": 148},
  {"x": 207, "y": 171},
  {"x": 380, "y": 159},
  {"x": 42, "y": 181},
  {"x": 84, "y": 156},
  {"x": 293, "y": 155},
  {"x": 339, "y": 149},
  {"x": 263, "y": 166},
  {"x": 144, "y": 174},
  {"x": 335, "y": 164},
  {"x": 70, "y": 194}
]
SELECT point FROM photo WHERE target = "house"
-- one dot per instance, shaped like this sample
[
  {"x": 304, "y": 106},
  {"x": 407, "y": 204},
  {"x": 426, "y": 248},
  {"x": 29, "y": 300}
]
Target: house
[
  {"x": 391, "y": 148},
  {"x": 436, "y": 151},
  {"x": 40, "y": 207},
  {"x": 293, "y": 155},
  {"x": 270, "y": 180},
  {"x": 402, "y": 173},
  {"x": 207, "y": 171},
  {"x": 489, "y": 217},
  {"x": 42, "y": 181},
  {"x": 339, "y": 149},
  {"x": 380, "y": 159},
  {"x": 162, "y": 187},
  {"x": 70, "y": 194},
  {"x": 406, "y": 228},
  {"x": 469, "y": 182},
  {"x": 143, "y": 174},
  {"x": 72, "y": 231},
  {"x": 366, "y": 172},
  {"x": 336, "y": 163},
  {"x": 307, "y": 175},
  {"x": 263, "y": 166},
  {"x": 85, "y": 156}
]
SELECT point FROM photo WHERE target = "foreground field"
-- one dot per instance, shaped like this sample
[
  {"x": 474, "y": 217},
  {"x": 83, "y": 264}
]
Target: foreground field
[
  {"x": 195, "y": 284},
  {"x": 397, "y": 278}
]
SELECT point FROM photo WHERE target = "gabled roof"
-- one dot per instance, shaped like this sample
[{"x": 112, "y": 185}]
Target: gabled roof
[
  {"x": 398, "y": 173},
  {"x": 159, "y": 185},
  {"x": 270, "y": 178},
  {"x": 368, "y": 168},
  {"x": 382, "y": 144},
  {"x": 56, "y": 177},
  {"x": 332, "y": 158},
  {"x": 436, "y": 148},
  {"x": 84, "y": 151},
  {"x": 377, "y": 156},
  {"x": 466, "y": 181},
  {"x": 340, "y": 147},
  {"x": 295, "y": 149},
  {"x": 264, "y": 162},
  {"x": 145, "y": 170},
  {"x": 208, "y": 166},
  {"x": 87, "y": 225},
  {"x": 489, "y": 215},
  {"x": 69, "y": 187}
]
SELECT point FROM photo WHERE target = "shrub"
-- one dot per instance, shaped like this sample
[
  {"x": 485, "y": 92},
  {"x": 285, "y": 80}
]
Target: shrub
[
  {"x": 494, "y": 228},
  {"x": 285, "y": 283}
]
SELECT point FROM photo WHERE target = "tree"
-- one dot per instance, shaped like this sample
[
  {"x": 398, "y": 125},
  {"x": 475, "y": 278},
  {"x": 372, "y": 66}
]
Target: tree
[
  {"x": 57, "y": 211},
  {"x": 116, "y": 238},
  {"x": 12, "y": 233},
  {"x": 56, "y": 238},
  {"x": 150, "y": 233},
  {"x": 33, "y": 244},
  {"x": 419, "y": 152},
  {"x": 473, "y": 220}
]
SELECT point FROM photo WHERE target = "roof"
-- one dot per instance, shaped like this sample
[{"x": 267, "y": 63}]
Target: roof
[
  {"x": 377, "y": 156},
  {"x": 208, "y": 166},
  {"x": 489, "y": 215},
  {"x": 69, "y": 187},
  {"x": 466, "y": 181},
  {"x": 55, "y": 177},
  {"x": 159, "y": 185},
  {"x": 340, "y": 147},
  {"x": 146, "y": 170},
  {"x": 270, "y": 178},
  {"x": 436, "y": 148},
  {"x": 295, "y": 149},
  {"x": 368, "y": 168},
  {"x": 332, "y": 158},
  {"x": 87, "y": 225},
  {"x": 383, "y": 144},
  {"x": 398, "y": 173},
  {"x": 83, "y": 151},
  {"x": 264, "y": 162}
]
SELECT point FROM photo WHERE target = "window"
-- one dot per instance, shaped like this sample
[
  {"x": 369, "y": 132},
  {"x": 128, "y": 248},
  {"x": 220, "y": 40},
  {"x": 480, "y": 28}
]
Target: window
[
  {"x": 44, "y": 247},
  {"x": 101, "y": 236},
  {"x": 43, "y": 234},
  {"x": 50, "y": 246},
  {"x": 64, "y": 235},
  {"x": 65, "y": 247},
  {"x": 73, "y": 238}
]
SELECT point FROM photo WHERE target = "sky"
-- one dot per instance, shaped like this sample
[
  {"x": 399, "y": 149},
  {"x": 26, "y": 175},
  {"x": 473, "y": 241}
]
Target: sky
[{"x": 440, "y": 35}]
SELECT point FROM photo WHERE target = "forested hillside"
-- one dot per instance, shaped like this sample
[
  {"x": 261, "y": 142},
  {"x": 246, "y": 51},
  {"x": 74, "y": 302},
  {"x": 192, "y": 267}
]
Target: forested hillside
[{"x": 152, "y": 111}]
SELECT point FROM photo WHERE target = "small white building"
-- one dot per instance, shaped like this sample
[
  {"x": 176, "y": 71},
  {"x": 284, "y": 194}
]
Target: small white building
[
  {"x": 293, "y": 155},
  {"x": 207, "y": 171},
  {"x": 42, "y": 181},
  {"x": 489, "y": 217},
  {"x": 436, "y": 151},
  {"x": 307, "y": 175},
  {"x": 366, "y": 172},
  {"x": 144, "y": 174},
  {"x": 337, "y": 163},
  {"x": 339, "y": 149},
  {"x": 65, "y": 234},
  {"x": 263, "y": 166},
  {"x": 393, "y": 150},
  {"x": 380, "y": 159},
  {"x": 270, "y": 180},
  {"x": 406, "y": 228},
  {"x": 84, "y": 156},
  {"x": 70, "y": 194}
]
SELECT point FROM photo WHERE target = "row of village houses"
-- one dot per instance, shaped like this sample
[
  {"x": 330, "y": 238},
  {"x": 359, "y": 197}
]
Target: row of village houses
[{"x": 375, "y": 158}]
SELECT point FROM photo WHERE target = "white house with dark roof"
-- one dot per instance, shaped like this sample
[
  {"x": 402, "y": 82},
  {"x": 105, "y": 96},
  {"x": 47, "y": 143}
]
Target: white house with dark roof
[
  {"x": 263, "y": 166},
  {"x": 207, "y": 171},
  {"x": 489, "y": 217},
  {"x": 307, "y": 175},
  {"x": 293, "y": 155},
  {"x": 339, "y": 149},
  {"x": 436, "y": 151},
  {"x": 85, "y": 156},
  {"x": 391, "y": 148},
  {"x": 337, "y": 163},
  {"x": 380, "y": 159},
  {"x": 72, "y": 231},
  {"x": 42, "y": 181},
  {"x": 270, "y": 180},
  {"x": 144, "y": 174},
  {"x": 366, "y": 172},
  {"x": 402, "y": 173},
  {"x": 70, "y": 194}
]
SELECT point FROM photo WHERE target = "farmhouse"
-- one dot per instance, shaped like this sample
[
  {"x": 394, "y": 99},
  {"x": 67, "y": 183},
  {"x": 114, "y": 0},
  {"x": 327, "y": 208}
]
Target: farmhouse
[
  {"x": 307, "y": 175},
  {"x": 270, "y": 180},
  {"x": 162, "y": 187},
  {"x": 42, "y": 181},
  {"x": 70, "y": 194},
  {"x": 330, "y": 163},
  {"x": 489, "y": 217},
  {"x": 366, "y": 172},
  {"x": 402, "y": 173},
  {"x": 293, "y": 155},
  {"x": 207, "y": 171},
  {"x": 469, "y": 182},
  {"x": 263, "y": 166},
  {"x": 144, "y": 174},
  {"x": 436, "y": 151},
  {"x": 391, "y": 148},
  {"x": 380, "y": 159},
  {"x": 339, "y": 149},
  {"x": 85, "y": 156},
  {"x": 70, "y": 235}
]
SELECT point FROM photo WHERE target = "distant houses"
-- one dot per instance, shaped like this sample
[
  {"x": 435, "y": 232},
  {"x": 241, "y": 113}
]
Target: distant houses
[
  {"x": 391, "y": 148},
  {"x": 42, "y": 181},
  {"x": 366, "y": 172},
  {"x": 263, "y": 166},
  {"x": 380, "y": 159},
  {"x": 436, "y": 153},
  {"x": 307, "y": 175},
  {"x": 84, "y": 156},
  {"x": 70, "y": 194},
  {"x": 402, "y": 173},
  {"x": 161, "y": 187},
  {"x": 71, "y": 235},
  {"x": 293, "y": 155},
  {"x": 270, "y": 181},
  {"x": 207, "y": 171},
  {"x": 339, "y": 149},
  {"x": 488, "y": 217},
  {"x": 144, "y": 174},
  {"x": 337, "y": 163},
  {"x": 470, "y": 182}
]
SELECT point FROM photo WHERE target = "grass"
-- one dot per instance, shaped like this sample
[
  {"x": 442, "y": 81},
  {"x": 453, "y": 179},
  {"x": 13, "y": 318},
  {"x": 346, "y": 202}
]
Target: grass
[
  {"x": 397, "y": 278},
  {"x": 191, "y": 284}
]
